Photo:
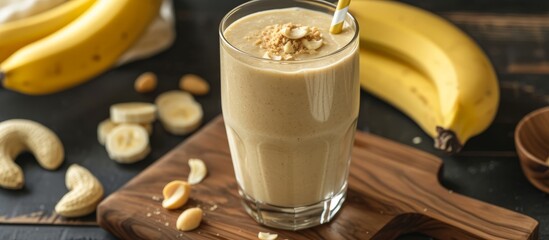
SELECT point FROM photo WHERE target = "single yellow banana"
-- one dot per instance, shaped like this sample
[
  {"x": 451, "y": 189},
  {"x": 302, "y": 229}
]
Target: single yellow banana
[
  {"x": 465, "y": 80},
  {"x": 19, "y": 33},
  {"x": 401, "y": 85},
  {"x": 81, "y": 50}
]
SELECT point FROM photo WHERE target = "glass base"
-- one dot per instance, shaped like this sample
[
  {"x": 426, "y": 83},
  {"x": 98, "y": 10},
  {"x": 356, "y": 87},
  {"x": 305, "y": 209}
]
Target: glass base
[{"x": 290, "y": 218}]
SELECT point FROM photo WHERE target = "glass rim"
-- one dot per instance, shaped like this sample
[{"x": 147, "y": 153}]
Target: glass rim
[{"x": 321, "y": 2}]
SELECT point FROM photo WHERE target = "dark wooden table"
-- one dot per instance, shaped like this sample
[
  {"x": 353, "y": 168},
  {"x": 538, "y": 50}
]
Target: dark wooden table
[{"x": 514, "y": 33}]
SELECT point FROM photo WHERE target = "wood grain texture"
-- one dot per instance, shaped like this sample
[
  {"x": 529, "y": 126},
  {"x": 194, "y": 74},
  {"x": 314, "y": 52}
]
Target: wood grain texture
[
  {"x": 516, "y": 43},
  {"x": 47, "y": 218},
  {"x": 393, "y": 189},
  {"x": 532, "y": 141}
]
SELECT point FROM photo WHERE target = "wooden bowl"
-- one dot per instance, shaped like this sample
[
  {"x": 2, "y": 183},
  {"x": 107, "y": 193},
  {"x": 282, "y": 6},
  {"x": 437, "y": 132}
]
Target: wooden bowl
[{"x": 532, "y": 144}]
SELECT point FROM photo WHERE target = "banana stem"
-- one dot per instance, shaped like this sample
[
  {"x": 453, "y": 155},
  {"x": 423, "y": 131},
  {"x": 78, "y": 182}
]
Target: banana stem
[{"x": 447, "y": 141}]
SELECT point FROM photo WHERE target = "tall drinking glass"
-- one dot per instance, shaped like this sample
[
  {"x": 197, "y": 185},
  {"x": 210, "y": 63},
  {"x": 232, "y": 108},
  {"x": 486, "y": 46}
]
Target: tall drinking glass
[{"x": 290, "y": 123}]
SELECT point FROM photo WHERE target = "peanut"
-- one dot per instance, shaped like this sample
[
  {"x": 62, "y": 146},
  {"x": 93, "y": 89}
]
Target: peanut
[
  {"x": 176, "y": 193},
  {"x": 85, "y": 193},
  {"x": 146, "y": 82},
  {"x": 18, "y": 135},
  {"x": 194, "y": 84},
  {"x": 198, "y": 171},
  {"x": 189, "y": 219}
]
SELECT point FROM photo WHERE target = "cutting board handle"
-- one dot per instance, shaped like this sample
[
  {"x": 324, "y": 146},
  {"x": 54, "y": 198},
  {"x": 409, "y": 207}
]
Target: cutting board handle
[{"x": 403, "y": 182}]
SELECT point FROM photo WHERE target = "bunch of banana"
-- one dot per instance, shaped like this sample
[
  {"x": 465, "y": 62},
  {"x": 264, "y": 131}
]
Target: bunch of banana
[
  {"x": 427, "y": 68},
  {"x": 85, "y": 38},
  {"x": 19, "y": 33}
]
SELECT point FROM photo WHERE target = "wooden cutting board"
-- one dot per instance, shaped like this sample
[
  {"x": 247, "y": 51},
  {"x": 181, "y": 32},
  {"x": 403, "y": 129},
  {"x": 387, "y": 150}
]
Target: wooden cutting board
[{"x": 393, "y": 189}]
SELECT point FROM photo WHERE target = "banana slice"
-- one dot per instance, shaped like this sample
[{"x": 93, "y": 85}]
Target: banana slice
[
  {"x": 181, "y": 118},
  {"x": 128, "y": 143},
  {"x": 106, "y": 126},
  {"x": 179, "y": 112},
  {"x": 133, "y": 112},
  {"x": 103, "y": 130},
  {"x": 173, "y": 96}
]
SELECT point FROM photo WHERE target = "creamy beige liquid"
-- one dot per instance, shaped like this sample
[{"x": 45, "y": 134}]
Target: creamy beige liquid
[{"x": 290, "y": 124}]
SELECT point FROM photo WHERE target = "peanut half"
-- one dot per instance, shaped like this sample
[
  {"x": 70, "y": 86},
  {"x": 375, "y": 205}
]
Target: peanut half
[
  {"x": 176, "y": 193},
  {"x": 198, "y": 171},
  {"x": 85, "y": 193},
  {"x": 194, "y": 84},
  {"x": 146, "y": 82},
  {"x": 189, "y": 219}
]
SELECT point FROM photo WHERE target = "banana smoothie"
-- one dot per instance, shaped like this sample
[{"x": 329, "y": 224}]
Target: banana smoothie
[{"x": 290, "y": 99}]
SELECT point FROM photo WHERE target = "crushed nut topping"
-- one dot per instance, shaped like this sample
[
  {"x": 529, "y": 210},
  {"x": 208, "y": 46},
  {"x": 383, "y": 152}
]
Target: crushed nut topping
[{"x": 287, "y": 41}]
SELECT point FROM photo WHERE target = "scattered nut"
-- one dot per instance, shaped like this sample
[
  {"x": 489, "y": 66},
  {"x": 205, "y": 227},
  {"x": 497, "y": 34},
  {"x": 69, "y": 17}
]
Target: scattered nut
[
  {"x": 198, "y": 171},
  {"x": 288, "y": 57},
  {"x": 288, "y": 41},
  {"x": 194, "y": 84},
  {"x": 288, "y": 47},
  {"x": 295, "y": 32},
  {"x": 176, "y": 193},
  {"x": 312, "y": 44},
  {"x": 189, "y": 219},
  {"x": 276, "y": 57},
  {"x": 18, "y": 135},
  {"x": 267, "y": 55},
  {"x": 85, "y": 193},
  {"x": 267, "y": 236},
  {"x": 146, "y": 82}
]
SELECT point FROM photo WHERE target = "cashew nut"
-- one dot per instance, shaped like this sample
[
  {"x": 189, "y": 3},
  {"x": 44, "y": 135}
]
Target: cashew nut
[
  {"x": 295, "y": 32},
  {"x": 288, "y": 47},
  {"x": 85, "y": 193},
  {"x": 312, "y": 45},
  {"x": 18, "y": 135}
]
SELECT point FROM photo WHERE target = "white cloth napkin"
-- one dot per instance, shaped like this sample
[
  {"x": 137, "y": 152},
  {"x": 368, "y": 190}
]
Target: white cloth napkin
[
  {"x": 11, "y": 10},
  {"x": 159, "y": 35}
]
